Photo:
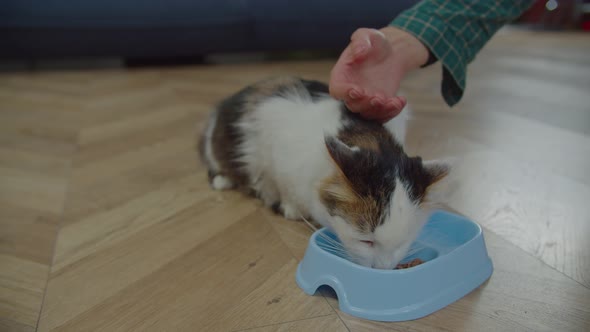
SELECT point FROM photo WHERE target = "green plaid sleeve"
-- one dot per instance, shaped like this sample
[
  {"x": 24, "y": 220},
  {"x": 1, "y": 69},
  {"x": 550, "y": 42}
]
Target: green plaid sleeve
[{"x": 455, "y": 31}]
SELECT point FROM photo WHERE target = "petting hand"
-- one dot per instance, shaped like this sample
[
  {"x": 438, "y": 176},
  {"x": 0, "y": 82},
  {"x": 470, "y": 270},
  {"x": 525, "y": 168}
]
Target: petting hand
[{"x": 368, "y": 74}]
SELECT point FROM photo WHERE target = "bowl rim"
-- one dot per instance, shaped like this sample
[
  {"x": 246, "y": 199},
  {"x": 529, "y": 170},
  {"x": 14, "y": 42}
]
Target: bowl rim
[{"x": 417, "y": 268}]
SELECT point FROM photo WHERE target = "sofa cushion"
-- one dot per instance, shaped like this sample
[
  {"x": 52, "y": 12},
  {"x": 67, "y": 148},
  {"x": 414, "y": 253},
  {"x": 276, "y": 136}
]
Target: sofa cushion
[{"x": 121, "y": 13}]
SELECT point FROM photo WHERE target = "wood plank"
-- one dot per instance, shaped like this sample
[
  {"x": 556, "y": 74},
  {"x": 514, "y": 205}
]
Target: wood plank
[
  {"x": 100, "y": 231},
  {"x": 97, "y": 197},
  {"x": 37, "y": 138},
  {"x": 120, "y": 265},
  {"x": 203, "y": 275},
  {"x": 277, "y": 300},
  {"x": 22, "y": 284},
  {"x": 513, "y": 187},
  {"x": 319, "y": 324},
  {"x": 523, "y": 294}
]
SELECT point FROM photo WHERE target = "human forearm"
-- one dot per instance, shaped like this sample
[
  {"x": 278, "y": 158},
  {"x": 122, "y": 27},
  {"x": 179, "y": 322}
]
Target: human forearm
[{"x": 455, "y": 31}]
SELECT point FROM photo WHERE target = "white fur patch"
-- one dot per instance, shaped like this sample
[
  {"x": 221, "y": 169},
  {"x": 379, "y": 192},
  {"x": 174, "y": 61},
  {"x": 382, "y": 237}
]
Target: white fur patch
[
  {"x": 399, "y": 230},
  {"x": 404, "y": 221},
  {"x": 397, "y": 126},
  {"x": 285, "y": 146},
  {"x": 290, "y": 212},
  {"x": 221, "y": 182}
]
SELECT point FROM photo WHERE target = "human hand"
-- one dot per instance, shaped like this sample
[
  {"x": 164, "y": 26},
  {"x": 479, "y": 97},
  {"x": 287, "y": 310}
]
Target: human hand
[{"x": 369, "y": 71}]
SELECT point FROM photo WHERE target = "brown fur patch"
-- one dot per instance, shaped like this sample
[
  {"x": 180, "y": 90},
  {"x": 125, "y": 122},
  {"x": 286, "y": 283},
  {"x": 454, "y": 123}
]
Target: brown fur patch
[
  {"x": 223, "y": 149},
  {"x": 341, "y": 199},
  {"x": 364, "y": 141},
  {"x": 365, "y": 179},
  {"x": 436, "y": 173},
  {"x": 368, "y": 135},
  {"x": 267, "y": 88}
]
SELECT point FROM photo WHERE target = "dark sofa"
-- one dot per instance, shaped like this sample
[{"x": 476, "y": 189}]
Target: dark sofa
[{"x": 32, "y": 29}]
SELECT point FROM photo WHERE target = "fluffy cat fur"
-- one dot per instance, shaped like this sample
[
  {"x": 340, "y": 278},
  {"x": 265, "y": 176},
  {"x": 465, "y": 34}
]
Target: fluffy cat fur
[{"x": 304, "y": 154}]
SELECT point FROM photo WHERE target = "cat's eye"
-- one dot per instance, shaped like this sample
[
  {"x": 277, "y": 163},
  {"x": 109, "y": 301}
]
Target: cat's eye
[{"x": 369, "y": 243}]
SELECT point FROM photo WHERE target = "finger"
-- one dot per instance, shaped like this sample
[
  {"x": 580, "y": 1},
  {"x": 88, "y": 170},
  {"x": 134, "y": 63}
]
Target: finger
[
  {"x": 339, "y": 88},
  {"x": 360, "y": 44},
  {"x": 356, "y": 100},
  {"x": 346, "y": 91},
  {"x": 356, "y": 93},
  {"x": 380, "y": 115},
  {"x": 378, "y": 101},
  {"x": 400, "y": 101},
  {"x": 385, "y": 117},
  {"x": 395, "y": 103},
  {"x": 356, "y": 105},
  {"x": 382, "y": 109},
  {"x": 365, "y": 43},
  {"x": 385, "y": 105},
  {"x": 373, "y": 112},
  {"x": 392, "y": 108}
]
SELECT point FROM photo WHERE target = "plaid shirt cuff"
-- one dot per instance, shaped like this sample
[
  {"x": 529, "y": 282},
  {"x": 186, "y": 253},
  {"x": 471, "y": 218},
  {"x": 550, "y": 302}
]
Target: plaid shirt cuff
[{"x": 454, "y": 31}]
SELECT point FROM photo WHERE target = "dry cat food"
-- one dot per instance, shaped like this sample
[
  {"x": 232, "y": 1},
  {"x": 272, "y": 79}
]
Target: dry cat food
[{"x": 412, "y": 263}]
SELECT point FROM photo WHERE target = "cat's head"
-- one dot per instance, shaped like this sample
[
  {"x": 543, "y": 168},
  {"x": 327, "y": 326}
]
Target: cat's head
[{"x": 378, "y": 199}]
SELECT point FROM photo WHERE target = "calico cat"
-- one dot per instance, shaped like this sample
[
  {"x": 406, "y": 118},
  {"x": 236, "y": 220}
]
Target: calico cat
[{"x": 306, "y": 155}]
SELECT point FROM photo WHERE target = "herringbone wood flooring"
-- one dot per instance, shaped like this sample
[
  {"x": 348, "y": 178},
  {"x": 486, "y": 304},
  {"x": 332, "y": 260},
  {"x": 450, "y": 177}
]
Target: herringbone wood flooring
[{"x": 107, "y": 221}]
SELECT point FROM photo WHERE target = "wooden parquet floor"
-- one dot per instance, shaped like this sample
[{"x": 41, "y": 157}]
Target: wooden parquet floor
[{"x": 107, "y": 222}]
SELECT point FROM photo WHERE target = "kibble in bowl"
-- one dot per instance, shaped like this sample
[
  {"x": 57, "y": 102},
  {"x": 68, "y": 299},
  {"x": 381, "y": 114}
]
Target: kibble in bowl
[{"x": 412, "y": 263}]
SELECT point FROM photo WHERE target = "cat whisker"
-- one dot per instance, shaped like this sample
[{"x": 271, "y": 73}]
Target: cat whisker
[
  {"x": 308, "y": 223},
  {"x": 334, "y": 247},
  {"x": 328, "y": 238},
  {"x": 331, "y": 241},
  {"x": 413, "y": 251}
]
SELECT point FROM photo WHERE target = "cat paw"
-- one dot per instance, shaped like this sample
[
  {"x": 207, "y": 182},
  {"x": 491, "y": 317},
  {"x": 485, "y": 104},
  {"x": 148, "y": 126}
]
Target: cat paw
[
  {"x": 290, "y": 212},
  {"x": 286, "y": 210},
  {"x": 271, "y": 201},
  {"x": 276, "y": 208},
  {"x": 221, "y": 182},
  {"x": 266, "y": 192}
]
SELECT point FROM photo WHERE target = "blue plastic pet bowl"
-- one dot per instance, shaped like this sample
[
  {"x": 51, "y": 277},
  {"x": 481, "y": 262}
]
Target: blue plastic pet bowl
[{"x": 455, "y": 262}]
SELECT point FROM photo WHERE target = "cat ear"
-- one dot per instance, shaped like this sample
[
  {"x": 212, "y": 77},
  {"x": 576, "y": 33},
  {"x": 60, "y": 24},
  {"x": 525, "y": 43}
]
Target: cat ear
[
  {"x": 343, "y": 155},
  {"x": 442, "y": 183},
  {"x": 437, "y": 169}
]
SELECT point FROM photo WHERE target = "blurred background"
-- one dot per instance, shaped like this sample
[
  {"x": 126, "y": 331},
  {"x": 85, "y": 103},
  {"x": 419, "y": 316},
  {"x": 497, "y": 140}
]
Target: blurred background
[
  {"x": 37, "y": 33},
  {"x": 106, "y": 217}
]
